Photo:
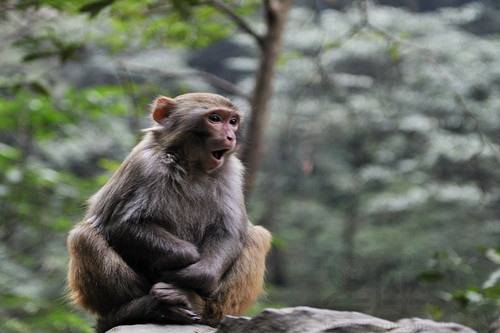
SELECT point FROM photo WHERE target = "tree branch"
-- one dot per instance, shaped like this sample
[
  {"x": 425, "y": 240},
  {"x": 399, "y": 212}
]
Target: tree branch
[
  {"x": 212, "y": 79},
  {"x": 238, "y": 20}
]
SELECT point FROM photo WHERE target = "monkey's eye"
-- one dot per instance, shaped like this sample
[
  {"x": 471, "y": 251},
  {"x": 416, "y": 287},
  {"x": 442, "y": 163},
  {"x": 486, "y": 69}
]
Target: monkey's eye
[
  {"x": 233, "y": 121},
  {"x": 215, "y": 118}
]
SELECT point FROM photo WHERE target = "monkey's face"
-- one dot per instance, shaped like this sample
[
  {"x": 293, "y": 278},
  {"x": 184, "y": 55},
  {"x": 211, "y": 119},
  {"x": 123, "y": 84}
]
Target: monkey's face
[
  {"x": 205, "y": 125},
  {"x": 222, "y": 125}
]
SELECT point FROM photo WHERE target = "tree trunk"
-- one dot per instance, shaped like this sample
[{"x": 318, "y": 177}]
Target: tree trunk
[
  {"x": 349, "y": 231},
  {"x": 276, "y": 12},
  {"x": 277, "y": 267}
]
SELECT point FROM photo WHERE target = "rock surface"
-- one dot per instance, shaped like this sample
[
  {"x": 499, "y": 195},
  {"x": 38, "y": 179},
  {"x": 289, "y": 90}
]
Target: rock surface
[
  {"x": 151, "y": 328},
  {"x": 305, "y": 320},
  {"x": 495, "y": 327}
]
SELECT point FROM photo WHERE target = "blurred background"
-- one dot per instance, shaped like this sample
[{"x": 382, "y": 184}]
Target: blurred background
[{"x": 373, "y": 150}]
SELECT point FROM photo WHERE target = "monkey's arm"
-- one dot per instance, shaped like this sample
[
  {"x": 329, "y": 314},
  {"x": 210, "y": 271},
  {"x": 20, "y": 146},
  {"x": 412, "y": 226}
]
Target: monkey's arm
[
  {"x": 149, "y": 247},
  {"x": 220, "y": 247}
]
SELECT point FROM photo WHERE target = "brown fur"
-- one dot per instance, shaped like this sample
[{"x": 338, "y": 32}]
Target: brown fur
[
  {"x": 243, "y": 283},
  {"x": 94, "y": 271},
  {"x": 165, "y": 240}
]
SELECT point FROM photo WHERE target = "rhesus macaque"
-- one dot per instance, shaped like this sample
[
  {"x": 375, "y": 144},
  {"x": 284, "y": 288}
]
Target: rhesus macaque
[{"x": 167, "y": 239}]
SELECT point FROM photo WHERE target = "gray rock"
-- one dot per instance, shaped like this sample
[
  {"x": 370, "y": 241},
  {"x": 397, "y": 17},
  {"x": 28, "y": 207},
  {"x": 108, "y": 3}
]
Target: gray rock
[
  {"x": 304, "y": 319},
  {"x": 415, "y": 325},
  {"x": 150, "y": 328},
  {"x": 495, "y": 327}
]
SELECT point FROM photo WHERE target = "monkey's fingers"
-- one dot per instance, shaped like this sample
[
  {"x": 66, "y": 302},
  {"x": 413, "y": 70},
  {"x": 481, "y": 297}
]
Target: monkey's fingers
[
  {"x": 183, "y": 315},
  {"x": 169, "y": 294},
  {"x": 188, "y": 313}
]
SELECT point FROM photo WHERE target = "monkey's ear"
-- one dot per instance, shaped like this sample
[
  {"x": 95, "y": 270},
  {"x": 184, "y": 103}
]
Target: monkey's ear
[{"x": 162, "y": 106}]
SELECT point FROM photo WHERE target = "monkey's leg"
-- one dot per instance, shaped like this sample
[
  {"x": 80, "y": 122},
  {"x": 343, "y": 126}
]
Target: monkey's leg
[
  {"x": 165, "y": 304},
  {"x": 98, "y": 278},
  {"x": 243, "y": 282},
  {"x": 103, "y": 283}
]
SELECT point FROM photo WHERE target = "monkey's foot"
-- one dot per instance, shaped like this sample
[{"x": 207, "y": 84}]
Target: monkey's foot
[
  {"x": 169, "y": 294},
  {"x": 175, "y": 301},
  {"x": 180, "y": 315}
]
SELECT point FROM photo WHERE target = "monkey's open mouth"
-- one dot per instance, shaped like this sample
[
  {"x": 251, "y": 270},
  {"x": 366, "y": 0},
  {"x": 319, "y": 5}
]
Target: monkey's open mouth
[{"x": 219, "y": 153}]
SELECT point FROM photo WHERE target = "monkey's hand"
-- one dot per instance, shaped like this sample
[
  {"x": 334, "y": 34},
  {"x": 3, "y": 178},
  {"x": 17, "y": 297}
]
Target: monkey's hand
[
  {"x": 196, "y": 276},
  {"x": 182, "y": 256}
]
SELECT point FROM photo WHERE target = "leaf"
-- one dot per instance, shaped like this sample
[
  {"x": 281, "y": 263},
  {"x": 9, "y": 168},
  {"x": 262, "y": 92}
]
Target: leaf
[
  {"x": 394, "y": 52},
  {"x": 473, "y": 296},
  {"x": 460, "y": 298},
  {"x": 93, "y": 8},
  {"x": 9, "y": 152},
  {"x": 430, "y": 276},
  {"x": 68, "y": 51},
  {"x": 493, "y": 255},
  {"x": 493, "y": 292},
  {"x": 493, "y": 280},
  {"x": 109, "y": 165},
  {"x": 38, "y": 55},
  {"x": 61, "y": 224},
  {"x": 278, "y": 242},
  {"x": 39, "y": 88},
  {"x": 435, "y": 311},
  {"x": 466, "y": 297},
  {"x": 183, "y": 7}
]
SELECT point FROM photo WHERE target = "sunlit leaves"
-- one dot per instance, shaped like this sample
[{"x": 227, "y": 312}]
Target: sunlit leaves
[
  {"x": 493, "y": 283},
  {"x": 493, "y": 255},
  {"x": 165, "y": 25}
]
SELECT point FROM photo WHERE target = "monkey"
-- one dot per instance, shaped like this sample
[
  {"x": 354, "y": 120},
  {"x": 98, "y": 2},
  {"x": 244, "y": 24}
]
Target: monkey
[{"x": 167, "y": 239}]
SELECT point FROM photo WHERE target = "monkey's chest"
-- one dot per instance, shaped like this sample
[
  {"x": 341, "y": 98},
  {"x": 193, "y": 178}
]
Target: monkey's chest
[
  {"x": 188, "y": 210},
  {"x": 189, "y": 219}
]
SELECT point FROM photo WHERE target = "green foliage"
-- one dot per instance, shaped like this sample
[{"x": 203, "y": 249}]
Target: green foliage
[
  {"x": 391, "y": 154},
  {"x": 58, "y": 141},
  {"x": 174, "y": 24},
  {"x": 40, "y": 201},
  {"x": 93, "y": 8},
  {"x": 383, "y": 158},
  {"x": 477, "y": 298}
]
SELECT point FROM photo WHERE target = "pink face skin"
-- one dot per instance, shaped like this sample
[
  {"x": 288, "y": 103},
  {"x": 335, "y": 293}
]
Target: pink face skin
[{"x": 223, "y": 125}]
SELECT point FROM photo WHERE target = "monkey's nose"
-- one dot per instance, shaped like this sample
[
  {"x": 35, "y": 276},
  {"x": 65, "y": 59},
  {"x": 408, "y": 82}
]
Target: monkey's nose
[{"x": 229, "y": 138}]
